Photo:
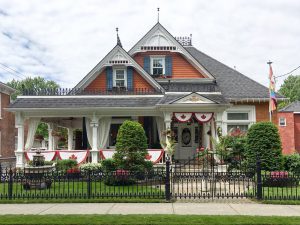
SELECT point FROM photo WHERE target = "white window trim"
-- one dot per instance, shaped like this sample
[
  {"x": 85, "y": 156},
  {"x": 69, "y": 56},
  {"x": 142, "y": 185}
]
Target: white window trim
[
  {"x": 250, "y": 109},
  {"x": 163, "y": 62},
  {"x": 284, "y": 122},
  {"x": 114, "y": 75}
]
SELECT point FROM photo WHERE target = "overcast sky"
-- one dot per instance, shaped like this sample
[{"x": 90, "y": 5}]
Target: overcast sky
[{"x": 63, "y": 40}]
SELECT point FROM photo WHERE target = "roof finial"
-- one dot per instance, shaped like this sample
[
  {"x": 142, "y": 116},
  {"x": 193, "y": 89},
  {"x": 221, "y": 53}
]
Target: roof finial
[
  {"x": 269, "y": 62},
  {"x": 118, "y": 38},
  {"x": 158, "y": 15}
]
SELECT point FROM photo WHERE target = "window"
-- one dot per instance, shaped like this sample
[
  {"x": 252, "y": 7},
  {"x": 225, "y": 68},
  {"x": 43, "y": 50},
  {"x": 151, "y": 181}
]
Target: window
[
  {"x": 158, "y": 66},
  {"x": 238, "y": 119},
  {"x": 282, "y": 121},
  {"x": 120, "y": 78},
  {"x": 237, "y": 116}
]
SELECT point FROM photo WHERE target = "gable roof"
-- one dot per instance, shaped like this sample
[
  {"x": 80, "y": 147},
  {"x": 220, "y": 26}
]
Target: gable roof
[
  {"x": 105, "y": 62},
  {"x": 293, "y": 107},
  {"x": 163, "y": 31},
  {"x": 233, "y": 84},
  {"x": 4, "y": 88}
]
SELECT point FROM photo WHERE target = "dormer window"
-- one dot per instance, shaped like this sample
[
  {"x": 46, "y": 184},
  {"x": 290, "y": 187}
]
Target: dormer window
[
  {"x": 120, "y": 78},
  {"x": 157, "y": 65}
]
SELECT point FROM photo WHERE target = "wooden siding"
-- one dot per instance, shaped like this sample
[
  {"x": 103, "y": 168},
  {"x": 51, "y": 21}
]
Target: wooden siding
[{"x": 181, "y": 68}]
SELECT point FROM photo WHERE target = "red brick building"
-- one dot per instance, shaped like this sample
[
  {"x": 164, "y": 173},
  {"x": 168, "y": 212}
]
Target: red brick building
[
  {"x": 289, "y": 128},
  {"x": 7, "y": 124}
]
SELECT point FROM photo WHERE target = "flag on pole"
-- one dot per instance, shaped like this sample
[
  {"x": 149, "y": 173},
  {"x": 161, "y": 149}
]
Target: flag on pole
[{"x": 273, "y": 101}]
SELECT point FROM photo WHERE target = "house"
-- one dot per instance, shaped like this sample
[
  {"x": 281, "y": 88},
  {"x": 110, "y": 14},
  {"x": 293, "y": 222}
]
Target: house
[
  {"x": 289, "y": 128},
  {"x": 7, "y": 125},
  {"x": 163, "y": 82}
]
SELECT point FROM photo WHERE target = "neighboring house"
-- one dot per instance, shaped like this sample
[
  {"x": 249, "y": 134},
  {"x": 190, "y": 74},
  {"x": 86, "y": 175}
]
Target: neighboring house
[
  {"x": 164, "y": 83},
  {"x": 7, "y": 125},
  {"x": 289, "y": 127}
]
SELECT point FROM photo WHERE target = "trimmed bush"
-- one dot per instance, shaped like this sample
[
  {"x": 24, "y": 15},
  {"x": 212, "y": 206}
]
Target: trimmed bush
[
  {"x": 66, "y": 164},
  {"x": 91, "y": 167},
  {"x": 292, "y": 163},
  {"x": 109, "y": 165},
  {"x": 131, "y": 147},
  {"x": 263, "y": 142}
]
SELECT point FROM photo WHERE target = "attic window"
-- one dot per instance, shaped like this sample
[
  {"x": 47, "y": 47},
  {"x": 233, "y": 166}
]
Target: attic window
[
  {"x": 157, "y": 65},
  {"x": 120, "y": 78}
]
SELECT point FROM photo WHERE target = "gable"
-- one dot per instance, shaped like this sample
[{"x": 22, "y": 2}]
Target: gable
[
  {"x": 115, "y": 58},
  {"x": 193, "y": 98},
  {"x": 159, "y": 39},
  {"x": 181, "y": 68}
]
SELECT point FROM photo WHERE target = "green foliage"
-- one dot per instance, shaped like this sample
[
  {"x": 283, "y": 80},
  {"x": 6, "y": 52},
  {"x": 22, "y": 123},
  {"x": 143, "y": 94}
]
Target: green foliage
[
  {"x": 66, "y": 164},
  {"x": 35, "y": 84},
  {"x": 291, "y": 163},
  {"x": 290, "y": 89},
  {"x": 131, "y": 147},
  {"x": 42, "y": 130},
  {"x": 263, "y": 141},
  {"x": 109, "y": 165},
  {"x": 92, "y": 167}
]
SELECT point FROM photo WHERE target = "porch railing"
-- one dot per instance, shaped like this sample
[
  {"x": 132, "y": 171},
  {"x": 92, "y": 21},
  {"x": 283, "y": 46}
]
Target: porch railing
[{"x": 80, "y": 91}]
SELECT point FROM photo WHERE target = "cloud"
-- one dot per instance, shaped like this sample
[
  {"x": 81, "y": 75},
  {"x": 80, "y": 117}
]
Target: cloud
[{"x": 64, "y": 40}]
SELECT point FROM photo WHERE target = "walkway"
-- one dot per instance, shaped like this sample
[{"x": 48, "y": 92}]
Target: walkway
[{"x": 153, "y": 208}]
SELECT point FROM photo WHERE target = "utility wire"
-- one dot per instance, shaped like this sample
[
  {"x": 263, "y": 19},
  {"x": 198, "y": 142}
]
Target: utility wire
[
  {"x": 14, "y": 71},
  {"x": 287, "y": 73}
]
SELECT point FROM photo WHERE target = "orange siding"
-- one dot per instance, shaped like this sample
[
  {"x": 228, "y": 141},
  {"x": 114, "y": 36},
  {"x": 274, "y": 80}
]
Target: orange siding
[
  {"x": 99, "y": 83},
  {"x": 287, "y": 134},
  {"x": 181, "y": 67},
  {"x": 140, "y": 82}
]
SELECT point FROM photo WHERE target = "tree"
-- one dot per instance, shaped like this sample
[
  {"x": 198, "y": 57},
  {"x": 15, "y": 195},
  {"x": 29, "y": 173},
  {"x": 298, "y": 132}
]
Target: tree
[
  {"x": 33, "y": 84},
  {"x": 30, "y": 84},
  {"x": 263, "y": 142},
  {"x": 290, "y": 89},
  {"x": 131, "y": 147}
]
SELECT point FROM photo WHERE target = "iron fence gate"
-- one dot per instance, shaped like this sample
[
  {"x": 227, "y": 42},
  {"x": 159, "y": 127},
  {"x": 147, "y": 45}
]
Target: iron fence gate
[{"x": 211, "y": 176}]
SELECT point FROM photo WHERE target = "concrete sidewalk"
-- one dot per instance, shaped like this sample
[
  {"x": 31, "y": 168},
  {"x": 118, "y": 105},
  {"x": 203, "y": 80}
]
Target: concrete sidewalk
[{"x": 152, "y": 208}]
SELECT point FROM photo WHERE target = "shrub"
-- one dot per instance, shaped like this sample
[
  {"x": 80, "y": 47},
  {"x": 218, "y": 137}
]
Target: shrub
[
  {"x": 91, "y": 167},
  {"x": 109, "y": 165},
  {"x": 131, "y": 147},
  {"x": 292, "y": 163},
  {"x": 66, "y": 164},
  {"x": 263, "y": 142}
]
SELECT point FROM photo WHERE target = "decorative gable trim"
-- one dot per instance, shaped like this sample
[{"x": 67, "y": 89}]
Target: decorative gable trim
[
  {"x": 193, "y": 98},
  {"x": 117, "y": 56},
  {"x": 159, "y": 39}
]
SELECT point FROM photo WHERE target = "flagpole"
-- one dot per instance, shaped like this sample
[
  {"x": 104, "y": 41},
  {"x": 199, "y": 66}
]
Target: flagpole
[{"x": 270, "y": 99}]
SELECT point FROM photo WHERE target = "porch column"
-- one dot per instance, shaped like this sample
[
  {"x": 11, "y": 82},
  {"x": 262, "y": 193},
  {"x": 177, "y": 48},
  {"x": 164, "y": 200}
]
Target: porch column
[
  {"x": 70, "y": 138},
  {"x": 94, "y": 152},
  {"x": 167, "y": 120},
  {"x": 20, "y": 159},
  {"x": 213, "y": 134},
  {"x": 218, "y": 119},
  {"x": 206, "y": 137},
  {"x": 50, "y": 137}
]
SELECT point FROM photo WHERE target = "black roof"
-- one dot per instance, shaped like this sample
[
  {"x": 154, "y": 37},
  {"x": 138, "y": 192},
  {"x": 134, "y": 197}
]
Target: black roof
[
  {"x": 84, "y": 102},
  {"x": 293, "y": 107},
  {"x": 232, "y": 83}
]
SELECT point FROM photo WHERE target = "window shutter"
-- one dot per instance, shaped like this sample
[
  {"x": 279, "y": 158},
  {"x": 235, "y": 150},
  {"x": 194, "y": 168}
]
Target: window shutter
[
  {"x": 168, "y": 66},
  {"x": 147, "y": 64},
  {"x": 109, "y": 78},
  {"x": 129, "y": 78}
]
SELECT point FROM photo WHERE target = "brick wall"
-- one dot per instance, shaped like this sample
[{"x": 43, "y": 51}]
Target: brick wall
[
  {"x": 287, "y": 133},
  {"x": 7, "y": 128},
  {"x": 181, "y": 67},
  {"x": 297, "y": 132}
]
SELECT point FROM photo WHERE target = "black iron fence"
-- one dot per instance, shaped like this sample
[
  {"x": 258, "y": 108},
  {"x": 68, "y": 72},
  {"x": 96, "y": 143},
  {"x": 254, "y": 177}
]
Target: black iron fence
[
  {"x": 207, "y": 175},
  {"x": 42, "y": 183},
  {"x": 80, "y": 91}
]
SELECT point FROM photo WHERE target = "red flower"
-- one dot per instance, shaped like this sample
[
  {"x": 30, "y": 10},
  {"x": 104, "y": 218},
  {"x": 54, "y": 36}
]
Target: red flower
[{"x": 148, "y": 157}]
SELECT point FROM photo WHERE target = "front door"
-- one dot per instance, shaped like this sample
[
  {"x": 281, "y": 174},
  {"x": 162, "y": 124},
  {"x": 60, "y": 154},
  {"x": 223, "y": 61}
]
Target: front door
[{"x": 188, "y": 140}]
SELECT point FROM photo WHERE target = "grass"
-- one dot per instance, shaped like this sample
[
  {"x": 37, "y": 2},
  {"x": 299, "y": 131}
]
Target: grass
[
  {"x": 148, "y": 219},
  {"x": 76, "y": 190}
]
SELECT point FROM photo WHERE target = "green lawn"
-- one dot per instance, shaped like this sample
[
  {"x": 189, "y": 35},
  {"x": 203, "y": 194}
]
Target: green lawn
[
  {"x": 79, "y": 189},
  {"x": 148, "y": 219},
  {"x": 281, "y": 193}
]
